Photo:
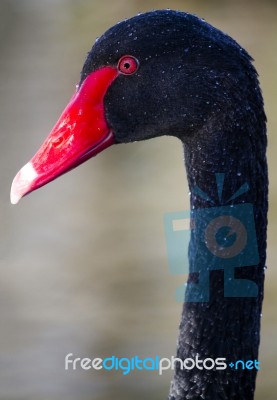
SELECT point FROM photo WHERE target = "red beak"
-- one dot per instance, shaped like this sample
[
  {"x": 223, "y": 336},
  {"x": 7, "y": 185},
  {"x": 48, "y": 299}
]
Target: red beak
[{"x": 80, "y": 133}]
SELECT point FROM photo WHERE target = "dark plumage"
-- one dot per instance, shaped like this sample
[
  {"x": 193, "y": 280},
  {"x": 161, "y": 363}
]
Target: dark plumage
[{"x": 198, "y": 84}]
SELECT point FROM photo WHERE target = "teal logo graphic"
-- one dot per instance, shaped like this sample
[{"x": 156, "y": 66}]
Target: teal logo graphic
[{"x": 221, "y": 237}]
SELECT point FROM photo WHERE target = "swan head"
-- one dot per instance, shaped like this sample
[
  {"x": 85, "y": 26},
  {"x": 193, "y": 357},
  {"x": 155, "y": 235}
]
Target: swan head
[{"x": 159, "y": 73}]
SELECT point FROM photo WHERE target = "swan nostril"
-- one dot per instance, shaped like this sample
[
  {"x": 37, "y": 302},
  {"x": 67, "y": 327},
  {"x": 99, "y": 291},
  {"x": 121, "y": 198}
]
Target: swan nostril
[{"x": 57, "y": 142}]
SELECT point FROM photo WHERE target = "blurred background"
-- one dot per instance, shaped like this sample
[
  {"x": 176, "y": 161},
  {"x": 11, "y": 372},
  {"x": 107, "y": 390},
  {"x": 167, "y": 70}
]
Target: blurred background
[{"x": 83, "y": 260}]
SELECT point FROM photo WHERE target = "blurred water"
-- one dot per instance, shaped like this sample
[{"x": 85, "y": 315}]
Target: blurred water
[{"x": 83, "y": 264}]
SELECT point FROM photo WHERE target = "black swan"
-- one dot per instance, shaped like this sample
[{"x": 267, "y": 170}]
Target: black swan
[{"x": 170, "y": 73}]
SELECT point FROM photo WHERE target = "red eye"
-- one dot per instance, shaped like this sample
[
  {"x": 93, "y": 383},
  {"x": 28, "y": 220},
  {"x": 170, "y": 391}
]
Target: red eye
[{"x": 128, "y": 65}]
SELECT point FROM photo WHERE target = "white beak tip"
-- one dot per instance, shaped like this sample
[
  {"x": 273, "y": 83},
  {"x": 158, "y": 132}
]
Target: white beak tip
[
  {"x": 14, "y": 197},
  {"x": 22, "y": 182}
]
